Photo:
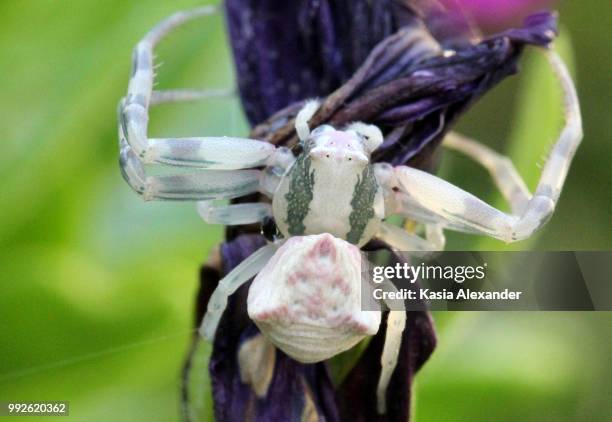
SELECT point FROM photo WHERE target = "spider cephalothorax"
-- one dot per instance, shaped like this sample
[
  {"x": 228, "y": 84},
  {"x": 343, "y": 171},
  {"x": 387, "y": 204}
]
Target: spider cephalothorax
[
  {"x": 331, "y": 187},
  {"x": 327, "y": 202}
]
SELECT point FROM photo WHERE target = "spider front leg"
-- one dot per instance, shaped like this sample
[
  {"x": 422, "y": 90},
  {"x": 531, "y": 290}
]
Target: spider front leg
[
  {"x": 211, "y": 153},
  {"x": 398, "y": 202},
  {"x": 462, "y": 209},
  {"x": 399, "y": 239},
  {"x": 186, "y": 186}
]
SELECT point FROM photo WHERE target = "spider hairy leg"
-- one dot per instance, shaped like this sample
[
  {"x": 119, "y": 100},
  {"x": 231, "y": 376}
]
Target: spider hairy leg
[
  {"x": 560, "y": 157},
  {"x": 457, "y": 206},
  {"x": 212, "y": 153},
  {"x": 136, "y": 104}
]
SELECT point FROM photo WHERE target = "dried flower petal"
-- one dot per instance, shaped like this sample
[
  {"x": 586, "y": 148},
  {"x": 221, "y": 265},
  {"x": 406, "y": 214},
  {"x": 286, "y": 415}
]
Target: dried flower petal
[
  {"x": 414, "y": 91},
  {"x": 287, "y": 51}
]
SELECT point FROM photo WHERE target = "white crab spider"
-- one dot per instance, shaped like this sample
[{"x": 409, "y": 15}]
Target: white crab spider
[{"x": 327, "y": 202}]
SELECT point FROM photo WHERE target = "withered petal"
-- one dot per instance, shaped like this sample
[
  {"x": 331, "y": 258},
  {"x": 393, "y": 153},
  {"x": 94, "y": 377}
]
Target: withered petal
[
  {"x": 410, "y": 84},
  {"x": 287, "y": 51}
]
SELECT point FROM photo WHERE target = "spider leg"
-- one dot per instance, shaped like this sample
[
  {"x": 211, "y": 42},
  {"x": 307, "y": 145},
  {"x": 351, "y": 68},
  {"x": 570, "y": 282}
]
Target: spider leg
[
  {"x": 402, "y": 241},
  {"x": 234, "y": 214},
  {"x": 434, "y": 233},
  {"x": 213, "y": 184},
  {"x": 182, "y": 95},
  {"x": 396, "y": 322},
  {"x": 246, "y": 270},
  {"x": 305, "y": 114},
  {"x": 215, "y": 153},
  {"x": 252, "y": 212},
  {"x": 278, "y": 164},
  {"x": 457, "y": 206},
  {"x": 399, "y": 202},
  {"x": 501, "y": 168}
]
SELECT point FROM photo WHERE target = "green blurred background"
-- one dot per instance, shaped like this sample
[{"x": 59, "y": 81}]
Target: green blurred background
[{"x": 97, "y": 287}]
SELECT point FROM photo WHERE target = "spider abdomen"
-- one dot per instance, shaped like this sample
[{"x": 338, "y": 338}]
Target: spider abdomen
[{"x": 307, "y": 299}]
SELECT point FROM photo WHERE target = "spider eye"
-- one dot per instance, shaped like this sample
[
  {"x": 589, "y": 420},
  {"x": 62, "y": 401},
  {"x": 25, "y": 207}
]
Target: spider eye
[{"x": 321, "y": 130}]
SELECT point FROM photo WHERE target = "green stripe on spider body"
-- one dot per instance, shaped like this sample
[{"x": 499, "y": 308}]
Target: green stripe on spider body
[
  {"x": 300, "y": 194},
  {"x": 362, "y": 204}
]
